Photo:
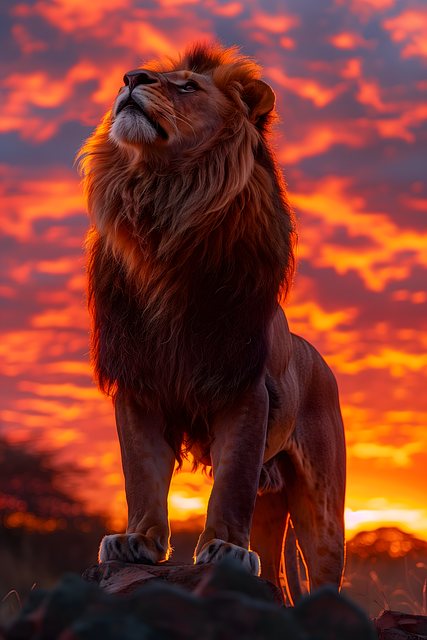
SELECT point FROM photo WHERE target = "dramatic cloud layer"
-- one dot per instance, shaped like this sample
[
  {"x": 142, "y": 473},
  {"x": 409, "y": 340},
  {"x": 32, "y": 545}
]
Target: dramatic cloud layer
[{"x": 352, "y": 95}]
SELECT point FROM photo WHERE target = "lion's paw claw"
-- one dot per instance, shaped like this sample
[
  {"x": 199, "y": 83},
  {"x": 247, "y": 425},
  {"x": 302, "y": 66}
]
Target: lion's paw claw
[
  {"x": 130, "y": 547},
  {"x": 217, "y": 549}
]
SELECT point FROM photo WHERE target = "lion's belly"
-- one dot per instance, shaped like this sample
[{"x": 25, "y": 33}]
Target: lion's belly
[{"x": 282, "y": 370}]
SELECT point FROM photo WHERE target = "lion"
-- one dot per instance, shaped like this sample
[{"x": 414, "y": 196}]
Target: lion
[{"x": 190, "y": 255}]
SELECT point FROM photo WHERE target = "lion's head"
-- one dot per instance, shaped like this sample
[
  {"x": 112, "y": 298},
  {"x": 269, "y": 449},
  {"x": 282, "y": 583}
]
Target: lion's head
[
  {"x": 167, "y": 109},
  {"x": 191, "y": 239},
  {"x": 188, "y": 137}
]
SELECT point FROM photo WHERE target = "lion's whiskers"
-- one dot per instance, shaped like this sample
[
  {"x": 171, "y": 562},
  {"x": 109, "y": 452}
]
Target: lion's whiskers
[
  {"x": 175, "y": 117},
  {"x": 169, "y": 117},
  {"x": 185, "y": 121}
]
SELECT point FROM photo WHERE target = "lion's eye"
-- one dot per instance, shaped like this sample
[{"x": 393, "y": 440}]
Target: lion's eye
[{"x": 188, "y": 87}]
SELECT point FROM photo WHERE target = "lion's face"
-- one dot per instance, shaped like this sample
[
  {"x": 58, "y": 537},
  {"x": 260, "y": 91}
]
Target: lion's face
[{"x": 173, "y": 110}]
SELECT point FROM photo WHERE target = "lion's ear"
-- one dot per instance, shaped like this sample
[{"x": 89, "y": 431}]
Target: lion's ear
[{"x": 260, "y": 98}]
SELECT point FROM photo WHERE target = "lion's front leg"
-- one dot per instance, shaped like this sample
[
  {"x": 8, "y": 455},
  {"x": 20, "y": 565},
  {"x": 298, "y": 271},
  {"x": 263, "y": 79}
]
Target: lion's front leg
[
  {"x": 148, "y": 463},
  {"x": 237, "y": 453}
]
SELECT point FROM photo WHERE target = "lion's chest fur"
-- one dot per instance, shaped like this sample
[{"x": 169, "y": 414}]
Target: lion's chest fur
[{"x": 207, "y": 345}]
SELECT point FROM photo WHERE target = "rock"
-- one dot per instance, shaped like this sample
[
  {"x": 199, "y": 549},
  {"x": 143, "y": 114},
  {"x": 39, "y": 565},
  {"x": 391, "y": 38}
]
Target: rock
[
  {"x": 396, "y": 634},
  {"x": 391, "y": 625},
  {"x": 123, "y": 578}
]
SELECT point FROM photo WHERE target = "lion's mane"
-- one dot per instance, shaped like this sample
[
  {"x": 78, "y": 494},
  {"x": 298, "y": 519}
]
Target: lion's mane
[{"x": 186, "y": 262}]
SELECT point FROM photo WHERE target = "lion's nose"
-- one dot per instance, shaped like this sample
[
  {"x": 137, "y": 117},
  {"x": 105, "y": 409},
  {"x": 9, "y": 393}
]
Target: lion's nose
[{"x": 140, "y": 76}]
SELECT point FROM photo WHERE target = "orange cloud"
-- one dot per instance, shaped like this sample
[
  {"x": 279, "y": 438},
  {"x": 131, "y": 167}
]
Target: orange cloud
[
  {"x": 352, "y": 68},
  {"x": 77, "y": 283},
  {"x": 306, "y": 87},
  {"x": 70, "y": 15},
  {"x": 287, "y": 43},
  {"x": 63, "y": 265},
  {"x": 320, "y": 138},
  {"x": 25, "y": 201},
  {"x": 376, "y": 4},
  {"x": 398, "y": 456},
  {"x": 64, "y": 412},
  {"x": 24, "y": 346},
  {"x": 174, "y": 3},
  {"x": 230, "y": 10},
  {"x": 109, "y": 84},
  {"x": 7, "y": 292},
  {"x": 67, "y": 367},
  {"x": 24, "y": 91},
  {"x": 26, "y": 42},
  {"x": 370, "y": 94},
  {"x": 66, "y": 390},
  {"x": 398, "y": 362},
  {"x": 351, "y": 40},
  {"x": 410, "y": 25},
  {"x": 26, "y": 419},
  {"x": 377, "y": 263},
  {"x": 355, "y": 133},
  {"x": 400, "y": 127},
  {"x": 146, "y": 40},
  {"x": 29, "y": 347},
  {"x": 365, "y": 8},
  {"x": 62, "y": 437},
  {"x": 417, "y": 204},
  {"x": 278, "y": 23},
  {"x": 70, "y": 317},
  {"x": 37, "y": 89},
  {"x": 311, "y": 312},
  {"x": 403, "y": 294}
]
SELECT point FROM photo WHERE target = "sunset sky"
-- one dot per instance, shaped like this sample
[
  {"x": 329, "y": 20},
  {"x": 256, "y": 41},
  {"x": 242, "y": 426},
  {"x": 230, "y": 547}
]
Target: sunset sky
[{"x": 351, "y": 83}]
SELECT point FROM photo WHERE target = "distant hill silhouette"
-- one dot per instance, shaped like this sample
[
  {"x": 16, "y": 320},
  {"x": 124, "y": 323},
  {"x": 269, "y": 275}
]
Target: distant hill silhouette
[
  {"x": 387, "y": 569},
  {"x": 389, "y": 540}
]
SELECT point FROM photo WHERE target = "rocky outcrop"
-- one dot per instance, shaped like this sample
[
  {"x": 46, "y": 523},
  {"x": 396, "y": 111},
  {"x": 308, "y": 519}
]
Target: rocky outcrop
[
  {"x": 226, "y": 604},
  {"x": 122, "y": 578}
]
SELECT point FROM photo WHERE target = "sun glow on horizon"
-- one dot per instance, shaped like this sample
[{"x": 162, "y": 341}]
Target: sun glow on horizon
[{"x": 403, "y": 517}]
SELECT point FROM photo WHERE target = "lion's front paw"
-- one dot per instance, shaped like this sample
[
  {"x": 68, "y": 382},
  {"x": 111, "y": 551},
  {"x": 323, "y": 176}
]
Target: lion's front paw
[
  {"x": 131, "y": 547},
  {"x": 217, "y": 549}
]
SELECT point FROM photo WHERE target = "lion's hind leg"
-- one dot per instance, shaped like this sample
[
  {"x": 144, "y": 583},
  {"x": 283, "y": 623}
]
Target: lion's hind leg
[
  {"x": 267, "y": 532},
  {"x": 273, "y": 538},
  {"x": 314, "y": 469},
  {"x": 319, "y": 528}
]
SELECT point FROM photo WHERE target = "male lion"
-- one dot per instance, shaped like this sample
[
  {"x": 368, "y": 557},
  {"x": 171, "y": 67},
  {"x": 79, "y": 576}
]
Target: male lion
[{"x": 190, "y": 251}]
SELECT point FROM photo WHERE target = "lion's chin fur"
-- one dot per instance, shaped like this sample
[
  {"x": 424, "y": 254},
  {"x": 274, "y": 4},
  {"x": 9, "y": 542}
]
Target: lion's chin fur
[
  {"x": 186, "y": 263},
  {"x": 131, "y": 129}
]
